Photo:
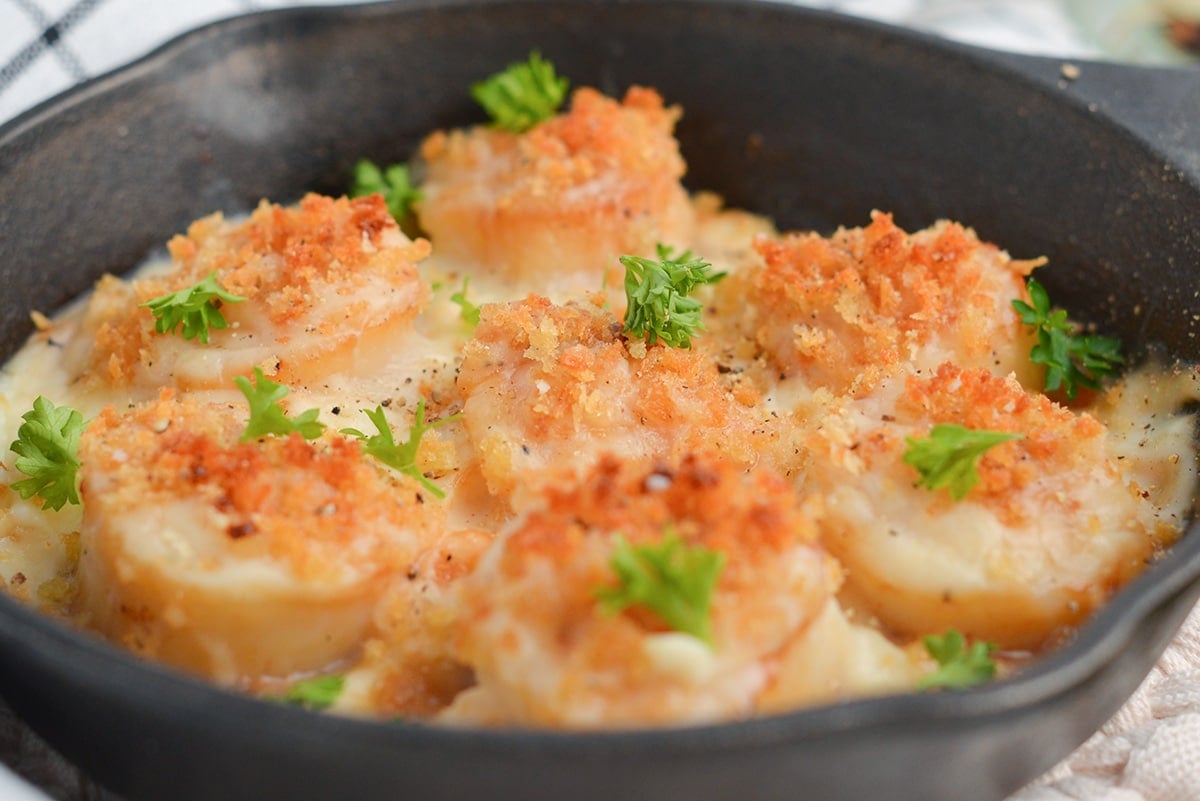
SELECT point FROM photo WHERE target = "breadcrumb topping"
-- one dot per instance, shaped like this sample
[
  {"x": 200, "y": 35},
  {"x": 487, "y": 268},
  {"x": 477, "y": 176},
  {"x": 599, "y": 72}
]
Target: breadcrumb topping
[
  {"x": 319, "y": 506},
  {"x": 848, "y": 309},
  {"x": 313, "y": 276}
]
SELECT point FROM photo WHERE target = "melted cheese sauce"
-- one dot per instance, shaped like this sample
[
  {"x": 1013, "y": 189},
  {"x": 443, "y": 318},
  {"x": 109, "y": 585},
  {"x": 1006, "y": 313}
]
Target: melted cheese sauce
[{"x": 777, "y": 441}]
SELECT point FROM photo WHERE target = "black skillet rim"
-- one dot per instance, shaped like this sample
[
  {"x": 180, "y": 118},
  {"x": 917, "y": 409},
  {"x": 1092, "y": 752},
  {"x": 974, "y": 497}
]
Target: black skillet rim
[{"x": 115, "y": 673}]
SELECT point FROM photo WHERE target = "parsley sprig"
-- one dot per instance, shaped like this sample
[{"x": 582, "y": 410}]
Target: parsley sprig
[
  {"x": 522, "y": 95},
  {"x": 403, "y": 456},
  {"x": 47, "y": 449},
  {"x": 959, "y": 667},
  {"x": 393, "y": 182},
  {"x": 320, "y": 692},
  {"x": 670, "y": 578},
  {"x": 949, "y": 456},
  {"x": 470, "y": 312},
  {"x": 197, "y": 309},
  {"x": 1072, "y": 360},
  {"x": 657, "y": 293},
  {"x": 267, "y": 417}
]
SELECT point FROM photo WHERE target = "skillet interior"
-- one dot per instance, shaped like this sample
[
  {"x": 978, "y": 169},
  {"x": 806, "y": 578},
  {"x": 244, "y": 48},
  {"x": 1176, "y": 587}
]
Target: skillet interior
[{"x": 807, "y": 117}]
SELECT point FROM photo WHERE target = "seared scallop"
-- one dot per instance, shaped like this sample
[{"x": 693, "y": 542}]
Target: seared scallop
[
  {"x": 551, "y": 209},
  {"x": 325, "y": 284},
  {"x": 546, "y": 386},
  {"x": 546, "y": 652},
  {"x": 1048, "y": 533},
  {"x": 844, "y": 312},
  {"x": 237, "y": 561}
]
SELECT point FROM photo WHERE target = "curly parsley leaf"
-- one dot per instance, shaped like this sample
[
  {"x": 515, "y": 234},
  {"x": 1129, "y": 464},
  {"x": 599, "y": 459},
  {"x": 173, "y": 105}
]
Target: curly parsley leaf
[
  {"x": 197, "y": 309},
  {"x": 401, "y": 457},
  {"x": 522, "y": 95},
  {"x": 267, "y": 417},
  {"x": 959, "y": 667},
  {"x": 470, "y": 312},
  {"x": 1071, "y": 360},
  {"x": 669, "y": 578},
  {"x": 949, "y": 456},
  {"x": 47, "y": 449},
  {"x": 316, "y": 693},
  {"x": 657, "y": 293},
  {"x": 393, "y": 182}
]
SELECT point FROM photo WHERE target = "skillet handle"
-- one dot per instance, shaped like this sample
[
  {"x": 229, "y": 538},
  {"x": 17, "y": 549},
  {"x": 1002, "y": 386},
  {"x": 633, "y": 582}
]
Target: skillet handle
[{"x": 1159, "y": 105}]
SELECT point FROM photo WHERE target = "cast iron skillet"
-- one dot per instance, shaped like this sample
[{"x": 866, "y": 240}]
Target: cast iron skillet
[{"x": 810, "y": 118}]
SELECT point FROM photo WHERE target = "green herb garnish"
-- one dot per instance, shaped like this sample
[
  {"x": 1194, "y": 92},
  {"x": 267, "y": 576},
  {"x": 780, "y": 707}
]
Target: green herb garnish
[
  {"x": 522, "y": 95},
  {"x": 267, "y": 416},
  {"x": 402, "y": 457},
  {"x": 47, "y": 449},
  {"x": 671, "y": 579},
  {"x": 197, "y": 309},
  {"x": 393, "y": 182},
  {"x": 316, "y": 693},
  {"x": 959, "y": 667},
  {"x": 1071, "y": 359},
  {"x": 470, "y": 312},
  {"x": 949, "y": 456},
  {"x": 657, "y": 293}
]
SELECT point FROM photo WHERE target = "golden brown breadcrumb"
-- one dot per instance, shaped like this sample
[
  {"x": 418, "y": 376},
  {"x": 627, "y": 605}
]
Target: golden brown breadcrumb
[
  {"x": 301, "y": 501},
  {"x": 845, "y": 311}
]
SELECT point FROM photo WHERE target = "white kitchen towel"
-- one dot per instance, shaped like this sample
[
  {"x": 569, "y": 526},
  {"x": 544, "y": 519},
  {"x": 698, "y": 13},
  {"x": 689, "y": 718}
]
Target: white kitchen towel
[{"x": 1150, "y": 751}]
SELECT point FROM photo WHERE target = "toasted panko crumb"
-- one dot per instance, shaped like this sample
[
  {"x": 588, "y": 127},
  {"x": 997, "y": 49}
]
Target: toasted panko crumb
[{"x": 848, "y": 310}]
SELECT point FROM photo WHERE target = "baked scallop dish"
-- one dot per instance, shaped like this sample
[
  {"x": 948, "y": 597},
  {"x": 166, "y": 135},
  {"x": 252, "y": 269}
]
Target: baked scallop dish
[{"x": 525, "y": 434}]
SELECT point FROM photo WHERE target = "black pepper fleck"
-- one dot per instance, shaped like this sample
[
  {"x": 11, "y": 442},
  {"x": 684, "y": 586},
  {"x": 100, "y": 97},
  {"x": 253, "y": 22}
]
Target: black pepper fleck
[{"x": 241, "y": 530}]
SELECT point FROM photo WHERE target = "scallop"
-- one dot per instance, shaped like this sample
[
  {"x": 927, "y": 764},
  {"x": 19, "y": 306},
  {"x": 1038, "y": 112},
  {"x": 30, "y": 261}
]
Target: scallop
[
  {"x": 547, "y": 385},
  {"x": 1048, "y": 533},
  {"x": 237, "y": 561},
  {"x": 545, "y": 653},
  {"x": 551, "y": 209},
  {"x": 326, "y": 285}
]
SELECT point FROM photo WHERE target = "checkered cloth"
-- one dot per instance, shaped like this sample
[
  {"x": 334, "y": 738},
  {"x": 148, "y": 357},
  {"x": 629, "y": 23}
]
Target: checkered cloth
[
  {"x": 47, "y": 46},
  {"x": 1149, "y": 752}
]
